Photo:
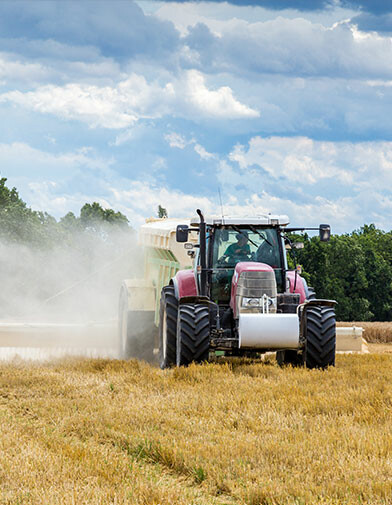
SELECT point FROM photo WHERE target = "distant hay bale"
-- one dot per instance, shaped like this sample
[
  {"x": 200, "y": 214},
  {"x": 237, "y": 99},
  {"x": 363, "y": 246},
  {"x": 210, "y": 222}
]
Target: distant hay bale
[{"x": 377, "y": 332}]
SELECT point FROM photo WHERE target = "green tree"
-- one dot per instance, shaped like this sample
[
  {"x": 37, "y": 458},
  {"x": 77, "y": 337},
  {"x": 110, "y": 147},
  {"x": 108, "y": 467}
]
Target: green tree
[
  {"x": 94, "y": 216},
  {"x": 337, "y": 270},
  {"x": 377, "y": 248},
  {"x": 162, "y": 212},
  {"x": 19, "y": 223}
]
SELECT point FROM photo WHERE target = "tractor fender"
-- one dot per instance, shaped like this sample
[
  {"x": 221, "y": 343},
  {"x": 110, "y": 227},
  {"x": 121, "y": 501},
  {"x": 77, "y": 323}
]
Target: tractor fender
[
  {"x": 184, "y": 283},
  {"x": 301, "y": 286}
]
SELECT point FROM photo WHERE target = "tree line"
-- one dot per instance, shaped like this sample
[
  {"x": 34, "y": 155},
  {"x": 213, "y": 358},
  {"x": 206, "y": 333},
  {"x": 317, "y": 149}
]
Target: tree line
[
  {"x": 20, "y": 224},
  {"x": 355, "y": 269}
]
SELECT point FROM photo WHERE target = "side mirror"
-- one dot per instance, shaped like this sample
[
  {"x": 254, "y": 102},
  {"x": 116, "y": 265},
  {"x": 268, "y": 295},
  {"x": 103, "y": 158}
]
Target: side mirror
[
  {"x": 325, "y": 232},
  {"x": 182, "y": 233}
]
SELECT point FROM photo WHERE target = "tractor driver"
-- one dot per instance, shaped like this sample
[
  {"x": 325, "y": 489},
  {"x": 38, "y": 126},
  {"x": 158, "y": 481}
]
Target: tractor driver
[{"x": 239, "y": 251}]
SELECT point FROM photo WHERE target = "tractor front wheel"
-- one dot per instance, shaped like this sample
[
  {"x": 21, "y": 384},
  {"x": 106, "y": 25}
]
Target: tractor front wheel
[
  {"x": 320, "y": 333},
  {"x": 193, "y": 334},
  {"x": 320, "y": 337}
]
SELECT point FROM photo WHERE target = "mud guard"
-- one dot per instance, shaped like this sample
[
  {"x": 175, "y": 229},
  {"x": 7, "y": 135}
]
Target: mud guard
[{"x": 184, "y": 283}]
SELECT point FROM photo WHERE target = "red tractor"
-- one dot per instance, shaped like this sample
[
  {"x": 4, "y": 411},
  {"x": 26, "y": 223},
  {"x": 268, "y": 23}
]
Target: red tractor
[{"x": 242, "y": 299}]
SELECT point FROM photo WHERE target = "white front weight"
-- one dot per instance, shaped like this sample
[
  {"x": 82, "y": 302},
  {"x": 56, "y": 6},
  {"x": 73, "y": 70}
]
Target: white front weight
[{"x": 268, "y": 331}]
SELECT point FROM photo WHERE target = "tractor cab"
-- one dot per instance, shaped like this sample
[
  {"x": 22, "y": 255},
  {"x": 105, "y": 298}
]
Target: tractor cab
[{"x": 232, "y": 244}]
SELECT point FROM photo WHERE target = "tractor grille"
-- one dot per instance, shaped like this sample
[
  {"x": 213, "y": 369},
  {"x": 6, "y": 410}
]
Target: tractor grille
[{"x": 255, "y": 285}]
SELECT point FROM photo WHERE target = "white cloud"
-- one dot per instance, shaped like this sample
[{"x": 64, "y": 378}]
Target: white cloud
[
  {"x": 106, "y": 107},
  {"x": 134, "y": 98},
  {"x": 25, "y": 73},
  {"x": 176, "y": 140},
  {"x": 180, "y": 142},
  {"x": 219, "y": 103},
  {"x": 219, "y": 15},
  {"x": 341, "y": 210},
  {"x": 294, "y": 45},
  {"x": 300, "y": 159},
  {"x": 345, "y": 183},
  {"x": 140, "y": 200},
  {"x": 204, "y": 155}
]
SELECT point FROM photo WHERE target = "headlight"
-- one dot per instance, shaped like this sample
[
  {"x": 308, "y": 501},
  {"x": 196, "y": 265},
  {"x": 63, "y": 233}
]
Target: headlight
[
  {"x": 252, "y": 302},
  {"x": 258, "y": 302}
]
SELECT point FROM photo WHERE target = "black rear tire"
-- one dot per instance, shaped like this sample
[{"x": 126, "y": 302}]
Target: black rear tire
[
  {"x": 311, "y": 293},
  {"x": 136, "y": 332},
  {"x": 320, "y": 337},
  {"x": 168, "y": 327},
  {"x": 193, "y": 334}
]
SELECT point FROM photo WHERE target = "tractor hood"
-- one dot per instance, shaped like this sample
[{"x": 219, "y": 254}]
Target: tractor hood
[{"x": 250, "y": 282}]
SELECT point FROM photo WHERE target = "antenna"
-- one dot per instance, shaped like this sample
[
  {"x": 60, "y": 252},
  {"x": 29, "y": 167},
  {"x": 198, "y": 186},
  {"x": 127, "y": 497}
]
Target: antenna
[{"x": 220, "y": 199}]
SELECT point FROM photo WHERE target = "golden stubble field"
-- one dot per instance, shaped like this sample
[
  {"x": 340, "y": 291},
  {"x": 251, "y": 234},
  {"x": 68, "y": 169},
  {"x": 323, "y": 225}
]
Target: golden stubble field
[{"x": 236, "y": 432}]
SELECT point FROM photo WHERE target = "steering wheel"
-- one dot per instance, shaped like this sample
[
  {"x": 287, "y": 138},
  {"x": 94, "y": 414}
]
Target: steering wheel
[
  {"x": 265, "y": 254},
  {"x": 222, "y": 261}
]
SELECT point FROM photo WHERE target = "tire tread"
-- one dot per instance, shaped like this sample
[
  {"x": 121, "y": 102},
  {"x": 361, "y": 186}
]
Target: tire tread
[
  {"x": 193, "y": 334},
  {"x": 168, "y": 307}
]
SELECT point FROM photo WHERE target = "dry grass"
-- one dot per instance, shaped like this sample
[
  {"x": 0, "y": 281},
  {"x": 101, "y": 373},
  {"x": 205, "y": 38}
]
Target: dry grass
[
  {"x": 379, "y": 332},
  {"x": 240, "y": 432}
]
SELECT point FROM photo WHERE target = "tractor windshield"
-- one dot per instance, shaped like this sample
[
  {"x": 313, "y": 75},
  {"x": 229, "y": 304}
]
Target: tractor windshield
[{"x": 233, "y": 244}]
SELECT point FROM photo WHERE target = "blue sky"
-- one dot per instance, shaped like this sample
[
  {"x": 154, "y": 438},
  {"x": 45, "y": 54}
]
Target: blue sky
[{"x": 284, "y": 105}]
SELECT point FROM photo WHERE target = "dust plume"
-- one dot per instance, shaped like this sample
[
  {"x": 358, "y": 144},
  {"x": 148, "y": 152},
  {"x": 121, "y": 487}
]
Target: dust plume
[{"x": 58, "y": 288}]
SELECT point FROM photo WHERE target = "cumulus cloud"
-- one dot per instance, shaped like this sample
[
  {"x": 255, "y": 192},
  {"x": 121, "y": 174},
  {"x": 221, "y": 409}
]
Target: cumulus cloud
[
  {"x": 106, "y": 106},
  {"x": 294, "y": 47},
  {"x": 342, "y": 181},
  {"x": 301, "y": 160},
  {"x": 134, "y": 98},
  {"x": 219, "y": 103},
  {"x": 298, "y": 159}
]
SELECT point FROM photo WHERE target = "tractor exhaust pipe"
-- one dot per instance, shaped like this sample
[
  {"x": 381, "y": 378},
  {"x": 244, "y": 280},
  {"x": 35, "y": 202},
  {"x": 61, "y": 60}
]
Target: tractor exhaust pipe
[{"x": 203, "y": 254}]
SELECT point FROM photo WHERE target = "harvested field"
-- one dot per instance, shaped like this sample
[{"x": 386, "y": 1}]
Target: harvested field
[
  {"x": 236, "y": 432},
  {"x": 378, "y": 332}
]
